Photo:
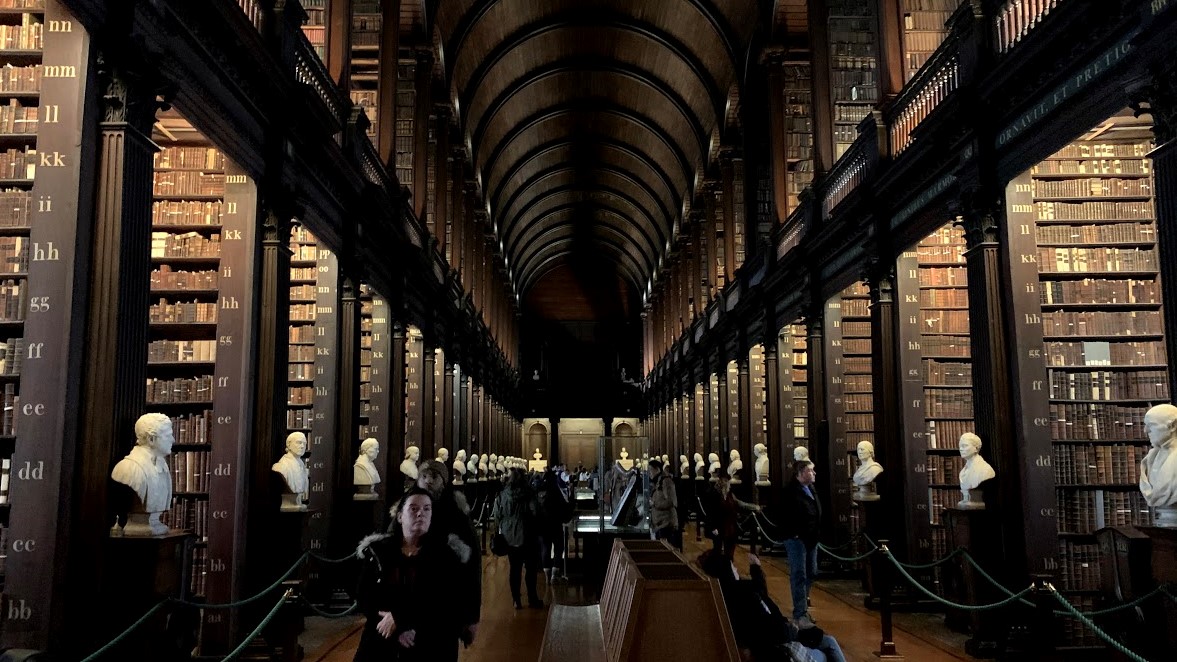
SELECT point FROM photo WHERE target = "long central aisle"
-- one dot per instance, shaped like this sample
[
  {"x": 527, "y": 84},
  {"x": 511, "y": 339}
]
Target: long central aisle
[{"x": 507, "y": 635}]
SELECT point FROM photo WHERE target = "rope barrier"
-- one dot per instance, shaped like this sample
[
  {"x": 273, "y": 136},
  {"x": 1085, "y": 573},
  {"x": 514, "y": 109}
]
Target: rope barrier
[
  {"x": 123, "y": 635},
  {"x": 1110, "y": 640},
  {"x": 334, "y": 614},
  {"x": 236, "y": 652},
  {"x": 903, "y": 571},
  {"x": 253, "y": 598},
  {"x": 853, "y": 559},
  {"x": 926, "y": 566}
]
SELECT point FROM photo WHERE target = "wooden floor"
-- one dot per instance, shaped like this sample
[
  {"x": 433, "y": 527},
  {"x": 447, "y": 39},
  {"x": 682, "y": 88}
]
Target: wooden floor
[{"x": 508, "y": 635}]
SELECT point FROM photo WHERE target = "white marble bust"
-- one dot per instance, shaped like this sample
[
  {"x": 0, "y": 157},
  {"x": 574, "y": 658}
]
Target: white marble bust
[
  {"x": 1158, "y": 469},
  {"x": 472, "y": 468},
  {"x": 501, "y": 466},
  {"x": 624, "y": 460},
  {"x": 145, "y": 470},
  {"x": 762, "y": 465},
  {"x": 712, "y": 465},
  {"x": 365, "y": 475},
  {"x": 537, "y": 463},
  {"x": 801, "y": 454},
  {"x": 868, "y": 470},
  {"x": 443, "y": 456},
  {"x": 735, "y": 466},
  {"x": 409, "y": 465},
  {"x": 700, "y": 467},
  {"x": 665, "y": 460},
  {"x": 460, "y": 468},
  {"x": 492, "y": 465},
  {"x": 482, "y": 467},
  {"x": 293, "y": 470},
  {"x": 976, "y": 471},
  {"x": 684, "y": 467}
]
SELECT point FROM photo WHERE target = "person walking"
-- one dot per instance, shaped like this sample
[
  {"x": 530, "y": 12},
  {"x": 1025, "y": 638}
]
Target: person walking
[
  {"x": 664, "y": 505},
  {"x": 406, "y": 583},
  {"x": 723, "y": 515},
  {"x": 554, "y": 511},
  {"x": 801, "y": 521},
  {"x": 516, "y": 512}
]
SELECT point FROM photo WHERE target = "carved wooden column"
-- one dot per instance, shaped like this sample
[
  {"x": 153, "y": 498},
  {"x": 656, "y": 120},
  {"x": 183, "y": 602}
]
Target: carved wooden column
[
  {"x": 386, "y": 89},
  {"x": 338, "y": 47},
  {"x": 724, "y": 413},
  {"x": 774, "y": 62},
  {"x": 442, "y": 164},
  {"x": 113, "y": 391},
  {"x": 886, "y": 386},
  {"x": 396, "y": 399},
  {"x": 448, "y": 402},
  {"x": 708, "y": 442},
  {"x": 423, "y": 85},
  {"x": 730, "y": 204},
  {"x": 348, "y": 407},
  {"x": 744, "y": 408},
  {"x": 714, "y": 247},
  {"x": 428, "y": 393},
  {"x": 462, "y": 409},
  {"x": 890, "y": 30},
  {"x": 772, "y": 410},
  {"x": 823, "y": 110},
  {"x": 1161, "y": 94}
]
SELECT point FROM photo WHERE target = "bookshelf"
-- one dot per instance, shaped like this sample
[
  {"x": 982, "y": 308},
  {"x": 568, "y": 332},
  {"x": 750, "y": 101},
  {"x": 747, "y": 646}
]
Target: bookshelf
[
  {"x": 716, "y": 438},
  {"x": 733, "y": 414},
  {"x": 699, "y": 420},
  {"x": 380, "y": 389},
  {"x": 854, "y": 67},
  {"x": 439, "y": 407},
  {"x": 315, "y": 27},
  {"x": 798, "y": 108},
  {"x": 923, "y": 31},
  {"x": 794, "y": 367},
  {"x": 300, "y": 376},
  {"x": 759, "y": 424},
  {"x": 406, "y": 108},
  {"x": 1087, "y": 215},
  {"x": 414, "y": 379},
  {"x": 849, "y": 395},
  {"x": 935, "y": 361},
  {"x": 324, "y": 433},
  {"x": 366, "y": 310},
  {"x": 366, "y": 21}
]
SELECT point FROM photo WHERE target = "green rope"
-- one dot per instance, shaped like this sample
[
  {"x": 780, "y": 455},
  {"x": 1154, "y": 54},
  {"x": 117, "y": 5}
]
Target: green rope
[
  {"x": 854, "y": 559},
  {"x": 334, "y": 614},
  {"x": 252, "y": 599},
  {"x": 1111, "y": 641},
  {"x": 323, "y": 559},
  {"x": 256, "y": 631},
  {"x": 1014, "y": 598},
  {"x": 125, "y": 633},
  {"x": 933, "y": 564}
]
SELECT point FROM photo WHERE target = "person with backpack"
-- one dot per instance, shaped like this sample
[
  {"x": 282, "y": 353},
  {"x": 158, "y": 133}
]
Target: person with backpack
[
  {"x": 516, "y": 512},
  {"x": 555, "y": 510},
  {"x": 664, "y": 505}
]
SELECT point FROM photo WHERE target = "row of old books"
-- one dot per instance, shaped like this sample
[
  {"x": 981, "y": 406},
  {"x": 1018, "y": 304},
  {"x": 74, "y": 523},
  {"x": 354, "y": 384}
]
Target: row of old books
[
  {"x": 302, "y": 273},
  {"x": 1097, "y": 465},
  {"x": 945, "y": 435},
  {"x": 301, "y": 371},
  {"x": 186, "y": 212},
  {"x": 1091, "y": 187},
  {"x": 299, "y": 419},
  {"x": 16, "y": 118},
  {"x": 1114, "y": 233},
  {"x": 1093, "y": 167},
  {"x": 164, "y": 278},
  {"x": 180, "y": 390},
  {"x": 190, "y": 470},
  {"x": 941, "y": 346},
  {"x": 855, "y": 307},
  {"x": 1109, "y": 150},
  {"x": 948, "y": 403},
  {"x": 941, "y": 373},
  {"x": 28, "y": 36},
  {"x": 302, "y": 312},
  {"x": 1096, "y": 422},
  {"x": 301, "y": 352},
  {"x": 188, "y": 182},
  {"x": 1086, "y": 511},
  {"x": 18, "y": 163},
  {"x": 13, "y": 300},
  {"x": 1109, "y": 385},
  {"x": 944, "y": 470},
  {"x": 302, "y": 292},
  {"x": 1083, "y": 259},
  {"x": 304, "y": 253},
  {"x": 189, "y": 515},
  {"x": 15, "y": 79},
  {"x": 942, "y": 276},
  {"x": 182, "y": 351},
  {"x": 1096, "y": 323},
  {"x": 859, "y": 346},
  {"x": 944, "y": 321},
  {"x": 189, "y": 244},
  {"x": 182, "y": 313},
  {"x": 192, "y": 428},
  {"x": 12, "y": 354},
  {"x": 189, "y": 158},
  {"x": 1106, "y": 210},
  {"x": 15, "y": 208},
  {"x": 302, "y": 334},
  {"x": 1105, "y": 353},
  {"x": 1090, "y": 290},
  {"x": 1080, "y": 566},
  {"x": 300, "y": 395},
  {"x": 21, "y": 4}
]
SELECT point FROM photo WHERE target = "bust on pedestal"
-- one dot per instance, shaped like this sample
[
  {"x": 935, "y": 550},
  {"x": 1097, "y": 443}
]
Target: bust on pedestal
[
  {"x": 472, "y": 468},
  {"x": 460, "y": 468},
  {"x": 501, "y": 466},
  {"x": 735, "y": 466},
  {"x": 712, "y": 466},
  {"x": 700, "y": 467},
  {"x": 1158, "y": 469},
  {"x": 684, "y": 467},
  {"x": 537, "y": 463},
  {"x": 293, "y": 470},
  {"x": 492, "y": 466},
  {"x": 976, "y": 471},
  {"x": 443, "y": 456},
  {"x": 365, "y": 475},
  {"x": 801, "y": 454},
  {"x": 145, "y": 470},
  {"x": 409, "y": 465},
  {"x": 624, "y": 460},
  {"x": 762, "y": 465},
  {"x": 868, "y": 471},
  {"x": 482, "y": 467}
]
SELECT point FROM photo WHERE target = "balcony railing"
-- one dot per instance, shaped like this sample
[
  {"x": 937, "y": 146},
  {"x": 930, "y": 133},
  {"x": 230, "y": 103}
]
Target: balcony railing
[
  {"x": 847, "y": 173},
  {"x": 310, "y": 71},
  {"x": 1017, "y": 18},
  {"x": 253, "y": 11},
  {"x": 939, "y": 77}
]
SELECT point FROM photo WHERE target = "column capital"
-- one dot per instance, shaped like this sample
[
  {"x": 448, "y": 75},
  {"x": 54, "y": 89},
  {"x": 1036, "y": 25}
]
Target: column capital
[
  {"x": 131, "y": 94},
  {"x": 1158, "y": 98},
  {"x": 978, "y": 210}
]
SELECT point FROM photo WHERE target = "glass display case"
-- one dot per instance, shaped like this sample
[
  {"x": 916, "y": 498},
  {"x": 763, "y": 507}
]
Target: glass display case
[{"x": 621, "y": 490}]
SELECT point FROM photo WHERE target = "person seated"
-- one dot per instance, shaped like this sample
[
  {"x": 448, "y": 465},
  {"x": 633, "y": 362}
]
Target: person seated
[{"x": 762, "y": 632}]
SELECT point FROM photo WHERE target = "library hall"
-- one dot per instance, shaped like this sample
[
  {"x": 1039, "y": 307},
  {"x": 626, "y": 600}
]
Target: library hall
[{"x": 588, "y": 330}]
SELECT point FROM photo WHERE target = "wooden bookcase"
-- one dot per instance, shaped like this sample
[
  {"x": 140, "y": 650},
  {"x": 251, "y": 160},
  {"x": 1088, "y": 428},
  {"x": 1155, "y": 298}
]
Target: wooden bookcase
[
  {"x": 366, "y": 22},
  {"x": 300, "y": 376},
  {"x": 315, "y": 27},
  {"x": 935, "y": 361},
  {"x": 1086, "y": 215},
  {"x": 380, "y": 386},
  {"x": 732, "y": 433},
  {"x": 759, "y": 426},
  {"x": 700, "y": 426},
  {"x": 794, "y": 370},
  {"x": 849, "y": 396},
  {"x": 367, "y": 308},
  {"x": 923, "y": 31},
  {"x": 323, "y": 434},
  {"x": 45, "y": 58},
  {"x": 716, "y": 438},
  {"x": 798, "y": 108},
  {"x": 406, "y": 109},
  {"x": 854, "y": 67},
  {"x": 414, "y": 384}
]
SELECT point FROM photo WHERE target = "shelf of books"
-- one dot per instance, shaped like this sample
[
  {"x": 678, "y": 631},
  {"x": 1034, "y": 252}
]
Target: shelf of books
[
  {"x": 923, "y": 30},
  {"x": 414, "y": 384},
  {"x": 365, "y": 59},
  {"x": 366, "y": 310},
  {"x": 716, "y": 434},
  {"x": 377, "y": 406},
  {"x": 794, "y": 369},
  {"x": 849, "y": 395},
  {"x": 798, "y": 107},
  {"x": 323, "y": 350},
  {"x": 202, "y": 252},
  {"x": 732, "y": 433},
  {"x": 700, "y": 424},
  {"x": 1087, "y": 213},
  {"x": 300, "y": 374},
  {"x": 439, "y": 438},
  {"x": 406, "y": 109},
  {"x": 854, "y": 67},
  {"x": 315, "y": 27},
  {"x": 935, "y": 364},
  {"x": 759, "y": 423}
]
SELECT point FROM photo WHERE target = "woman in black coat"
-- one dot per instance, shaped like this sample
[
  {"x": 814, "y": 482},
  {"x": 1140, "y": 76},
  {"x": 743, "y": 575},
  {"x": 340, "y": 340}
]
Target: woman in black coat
[{"x": 406, "y": 589}]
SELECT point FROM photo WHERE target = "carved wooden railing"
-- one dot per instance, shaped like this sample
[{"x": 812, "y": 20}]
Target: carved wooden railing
[
  {"x": 847, "y": 173},
  {"x": 1015, "y": 19},
  {"x": 788, "y": 235},
  {"x": 253, "y": 11},
  {"x": 939, "y": 77},
  {"x": 310, "y": 70}
]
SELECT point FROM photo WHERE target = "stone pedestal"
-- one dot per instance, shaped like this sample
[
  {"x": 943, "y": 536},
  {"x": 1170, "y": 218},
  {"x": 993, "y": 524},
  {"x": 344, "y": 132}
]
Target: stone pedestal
[
  {"x": 1161, "y": 615},
  {"x": 871, "y": 518},
  {"x": 977, "y": 532},
  {"x": 141, "y": 571},
  {"x": 365, "y": 493}
]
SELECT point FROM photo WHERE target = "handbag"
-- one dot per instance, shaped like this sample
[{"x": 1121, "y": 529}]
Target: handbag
[{"x": 498, "y": 545}]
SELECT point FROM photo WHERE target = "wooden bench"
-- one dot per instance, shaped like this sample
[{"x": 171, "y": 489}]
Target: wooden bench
[{"x": 655, "y": 606}]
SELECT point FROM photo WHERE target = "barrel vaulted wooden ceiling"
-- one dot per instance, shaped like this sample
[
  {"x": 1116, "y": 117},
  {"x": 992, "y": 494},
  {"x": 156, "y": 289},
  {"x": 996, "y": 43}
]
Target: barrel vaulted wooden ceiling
[{"x": 589, "y": 120}]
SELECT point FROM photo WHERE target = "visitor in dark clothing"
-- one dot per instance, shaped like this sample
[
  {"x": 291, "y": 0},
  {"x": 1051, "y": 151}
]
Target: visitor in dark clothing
[
  {"x": 554, "y": 511},
  {"x": 516, "y": 512},
  {"x": 723, "y": 510},
  {"x": 758, "y": 624},
  {"x": 801, "y": 521},
  {"x": 405, "y": 588}
]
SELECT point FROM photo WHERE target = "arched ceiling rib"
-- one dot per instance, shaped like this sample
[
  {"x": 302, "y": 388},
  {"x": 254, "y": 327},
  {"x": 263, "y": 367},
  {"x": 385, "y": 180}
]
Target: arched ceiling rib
[{"x": 588, "y": 120}]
